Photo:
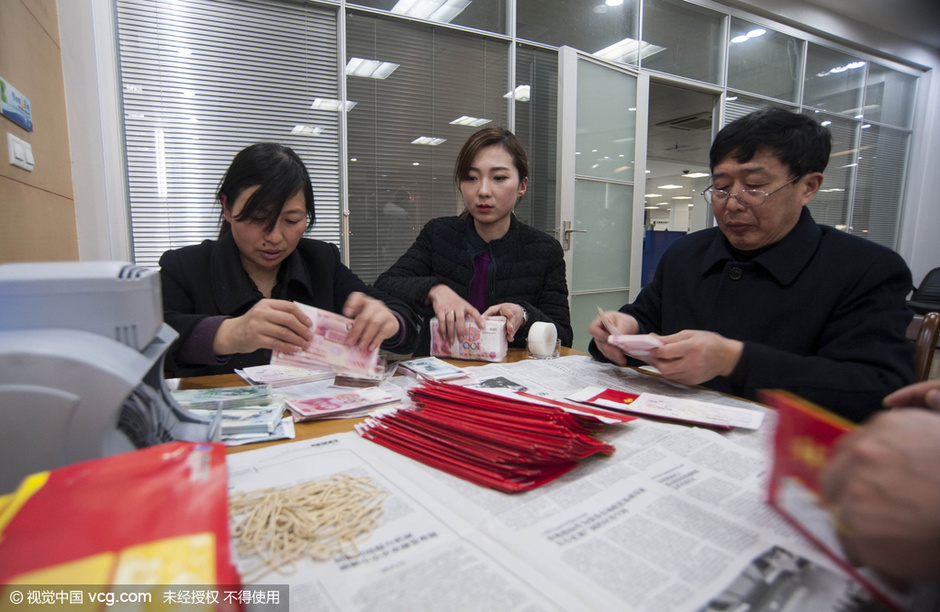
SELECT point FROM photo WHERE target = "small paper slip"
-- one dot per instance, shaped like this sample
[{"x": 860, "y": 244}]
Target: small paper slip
[
  {"x": 328, "y": 347},
  {"x": 281, "y": 375},
  {"x": 635, "y": 344},
  {"x": 433, "y": 368},
  {"x": 674, "y": 408},
  {"x": 339, "y": 405}
]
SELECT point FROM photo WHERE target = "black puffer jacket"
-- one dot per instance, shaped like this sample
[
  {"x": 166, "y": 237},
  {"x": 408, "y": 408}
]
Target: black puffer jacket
[{"x": 527, "y": 267}]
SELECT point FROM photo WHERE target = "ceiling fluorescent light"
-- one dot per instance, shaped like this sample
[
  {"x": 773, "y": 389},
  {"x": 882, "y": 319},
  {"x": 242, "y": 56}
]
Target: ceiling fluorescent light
[
  {"x": 628, "y": 51},
  {"x": 329, "y": 104},
  {"x": 696, "y": 174},
  {"x": 369, "y": 68},
  {"x": 428, "y": 140},
  {"x": 670, "y": 186},
  {"x": 520, "y": 93},
  {"x": 442, "y": 11},
  {"x": 471, "y": 121},
  {"x": 306, "y": 130}
]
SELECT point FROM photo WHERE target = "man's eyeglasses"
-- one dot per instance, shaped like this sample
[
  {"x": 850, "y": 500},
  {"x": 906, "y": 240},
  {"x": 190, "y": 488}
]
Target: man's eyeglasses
[{"x": 747, "y": 197}]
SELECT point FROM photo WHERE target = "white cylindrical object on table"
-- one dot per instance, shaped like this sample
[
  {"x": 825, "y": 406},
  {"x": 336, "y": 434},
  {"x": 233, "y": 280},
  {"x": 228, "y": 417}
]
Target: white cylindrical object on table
[{"x": 543, "y": 337}]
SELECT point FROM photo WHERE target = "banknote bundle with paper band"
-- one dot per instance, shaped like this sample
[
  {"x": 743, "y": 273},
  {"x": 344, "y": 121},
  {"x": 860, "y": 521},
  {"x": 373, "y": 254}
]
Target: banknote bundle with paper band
[
  {"x": 328, "y": 346},
  {"x": 486, "y": 344},
  {"x": 505, "y": 443}
]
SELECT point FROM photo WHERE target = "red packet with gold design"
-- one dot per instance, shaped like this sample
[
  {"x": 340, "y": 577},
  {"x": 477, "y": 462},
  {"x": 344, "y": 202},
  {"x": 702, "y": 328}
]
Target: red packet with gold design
[
  {"x": 804, "y": 441},
  {"x": 156, "y": 516}
]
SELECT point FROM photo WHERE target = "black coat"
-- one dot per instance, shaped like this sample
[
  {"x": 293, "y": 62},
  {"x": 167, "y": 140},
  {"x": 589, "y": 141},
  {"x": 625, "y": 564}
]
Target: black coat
[
  {"x": 821, "y": 313},
  {"x": 527, "y": 267},
  {"x": 208, "y": 279}
]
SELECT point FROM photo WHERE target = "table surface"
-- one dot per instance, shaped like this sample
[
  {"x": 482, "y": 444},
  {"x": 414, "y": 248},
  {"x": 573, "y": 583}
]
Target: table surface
[{"x": 314, "y": 429}]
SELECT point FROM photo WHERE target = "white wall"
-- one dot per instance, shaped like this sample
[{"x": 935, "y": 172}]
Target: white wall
[{"x": 92, "y": 95}]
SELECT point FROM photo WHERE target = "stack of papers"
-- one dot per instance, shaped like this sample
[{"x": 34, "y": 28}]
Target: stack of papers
[
  {"x": 675, "y": 408},
  {"x": 431, "y": 368},
  {"x": 281, "y": 375},
  {"x": 343, "y": 405},
  {"x": 508, "y": 444},
  {"x": 250, "y": 420}
]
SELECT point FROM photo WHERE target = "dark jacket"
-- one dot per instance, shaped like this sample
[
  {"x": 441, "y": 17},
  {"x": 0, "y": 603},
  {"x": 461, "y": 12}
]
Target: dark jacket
[
  {"x": 527, "y": 267},
  {"x": 208, "y": 279},
  {"x": 821, "y": 313}
]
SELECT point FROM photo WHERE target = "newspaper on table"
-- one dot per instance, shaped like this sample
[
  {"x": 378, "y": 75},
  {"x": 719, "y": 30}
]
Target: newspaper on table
[
  {"x": 675, "y": 520},
  {"x": 328, "y": 346}
]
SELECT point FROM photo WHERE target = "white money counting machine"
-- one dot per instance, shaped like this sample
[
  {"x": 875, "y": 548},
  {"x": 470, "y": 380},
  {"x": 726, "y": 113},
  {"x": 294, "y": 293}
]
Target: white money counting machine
[{"x": 82, "y": 346}]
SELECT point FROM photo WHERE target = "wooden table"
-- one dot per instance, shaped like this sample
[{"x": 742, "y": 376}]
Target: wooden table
[{"x": 314, "y": 429}]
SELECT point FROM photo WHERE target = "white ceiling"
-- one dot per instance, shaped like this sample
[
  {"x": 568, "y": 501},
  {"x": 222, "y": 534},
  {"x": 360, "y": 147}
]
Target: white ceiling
[{"x": 917, "y": 20}]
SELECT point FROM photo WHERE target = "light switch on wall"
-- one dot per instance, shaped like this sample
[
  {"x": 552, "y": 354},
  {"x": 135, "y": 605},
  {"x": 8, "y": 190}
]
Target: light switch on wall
[{"x": 21, "y": 152}]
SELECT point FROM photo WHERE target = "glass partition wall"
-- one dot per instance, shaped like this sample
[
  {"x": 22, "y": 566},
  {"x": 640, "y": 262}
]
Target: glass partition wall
[{"x": 377, "y": 96}]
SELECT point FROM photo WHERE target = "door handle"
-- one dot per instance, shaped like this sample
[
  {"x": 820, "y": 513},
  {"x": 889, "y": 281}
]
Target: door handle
[{"x": 566, "y": 235}]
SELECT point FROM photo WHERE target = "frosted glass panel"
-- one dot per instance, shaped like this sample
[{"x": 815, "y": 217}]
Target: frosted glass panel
[
  {"x": 606, "y": 122},
  {"x": 584, "y": 309},
  {"x": 602, "y": 254}
]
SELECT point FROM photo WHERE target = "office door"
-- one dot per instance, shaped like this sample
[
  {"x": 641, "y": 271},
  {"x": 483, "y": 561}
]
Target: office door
[{"x": 602, "y": 115}]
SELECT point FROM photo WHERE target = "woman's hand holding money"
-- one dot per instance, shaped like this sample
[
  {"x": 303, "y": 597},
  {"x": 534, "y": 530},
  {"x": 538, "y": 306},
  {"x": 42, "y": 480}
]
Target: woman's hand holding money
[
  {"x": 272, "y": 324},
  {"x": 373, "y": 321},
  {"x": 451, "y": 310}
]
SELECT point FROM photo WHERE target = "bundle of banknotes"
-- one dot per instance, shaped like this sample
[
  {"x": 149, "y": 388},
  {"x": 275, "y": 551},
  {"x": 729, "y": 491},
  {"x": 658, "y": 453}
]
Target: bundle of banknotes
[
  {"x": 224, "y": 397},
  {"x": 486, "y": 344},
  {"x": 282, "y": 376},
  {"x": 328, "y": 346}
]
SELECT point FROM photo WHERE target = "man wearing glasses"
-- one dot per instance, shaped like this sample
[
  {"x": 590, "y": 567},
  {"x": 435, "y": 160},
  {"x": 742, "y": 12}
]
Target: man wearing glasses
[{"x": 770, "y": 299}]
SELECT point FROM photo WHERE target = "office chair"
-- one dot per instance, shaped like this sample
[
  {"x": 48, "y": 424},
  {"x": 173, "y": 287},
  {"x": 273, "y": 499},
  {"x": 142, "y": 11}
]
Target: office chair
[
  {"x": 923, "y": 330},
  {"x": 926, "y": 298}
]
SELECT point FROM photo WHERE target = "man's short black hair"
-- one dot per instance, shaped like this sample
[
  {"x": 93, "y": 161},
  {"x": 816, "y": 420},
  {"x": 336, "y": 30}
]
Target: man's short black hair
[{"x": 797, "y": 140}]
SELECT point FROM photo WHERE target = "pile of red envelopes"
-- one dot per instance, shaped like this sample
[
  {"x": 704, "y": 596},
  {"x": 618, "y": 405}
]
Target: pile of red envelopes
[{"x": 506, "y": 443}]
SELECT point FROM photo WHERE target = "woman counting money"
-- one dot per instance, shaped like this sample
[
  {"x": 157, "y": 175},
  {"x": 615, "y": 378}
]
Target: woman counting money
[
  {"x": 485, "y": 260},
  {"x": 231, "y": 299}
]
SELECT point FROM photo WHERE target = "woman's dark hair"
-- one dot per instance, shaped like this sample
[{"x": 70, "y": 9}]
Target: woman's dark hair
[
  {"x": 279, "y": 173},
  {"x": 487, "y": 137},
  {"x": 797, "y": 140}
]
